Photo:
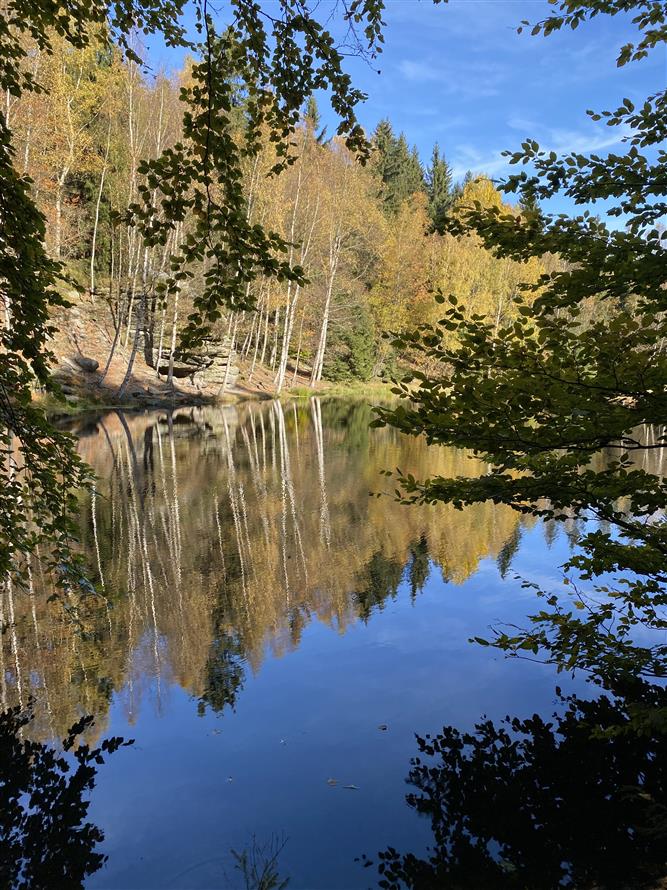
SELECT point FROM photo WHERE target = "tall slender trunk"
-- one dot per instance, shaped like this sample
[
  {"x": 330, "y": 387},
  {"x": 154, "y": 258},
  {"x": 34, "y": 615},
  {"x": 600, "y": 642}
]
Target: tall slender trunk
[
  {"x": 133, "y": 246},
  {"x": 135, "y": 345},
  {"x": 58, "y": 237},
  {"x": 266, "y": 335},
  {"x": 318, "y": 364},
  {"x": 258, "y": 337},
  {"x": 247, "y": 343},
  {"x": 158, "y": 360},
  {"x": 284, "y": 350},
  {"x": 114, "y": 344},
  {"x": 172, "y": 348},
  {"x": 133, "y": 291},
  {"x": 274, "y": 349},
  {"x": 97, "y": 212},
  {"x": 298, "y": 350},
  {"x": 230, "y": 356},
  {"x": 290, "y": 308}
]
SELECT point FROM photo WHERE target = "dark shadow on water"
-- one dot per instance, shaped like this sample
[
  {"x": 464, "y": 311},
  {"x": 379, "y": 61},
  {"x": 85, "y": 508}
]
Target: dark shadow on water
[
  {"x": 575, "y": 801},
  {"x": 45, "y": 840}
]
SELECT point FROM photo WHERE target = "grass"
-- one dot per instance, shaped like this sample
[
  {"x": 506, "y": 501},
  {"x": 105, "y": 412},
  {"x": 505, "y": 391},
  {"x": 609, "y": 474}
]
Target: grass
[
  {"x": 53, "y": 405},
  {"x": 353, "y": 389}
]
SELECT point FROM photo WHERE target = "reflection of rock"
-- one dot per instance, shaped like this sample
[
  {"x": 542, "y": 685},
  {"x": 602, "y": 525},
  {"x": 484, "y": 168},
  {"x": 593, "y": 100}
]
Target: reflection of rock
[{"x": 210, "y": 425}]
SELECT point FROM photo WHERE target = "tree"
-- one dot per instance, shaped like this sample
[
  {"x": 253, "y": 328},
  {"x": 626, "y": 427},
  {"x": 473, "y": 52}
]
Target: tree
[
  {"x": 539, "y": 396},
  {"x": 439, "y": 190},
  {"x": 401, "y": 288},
  {"x": 349, "y": 224},
  {"x": 385, "y": 161},
  {"x": 312, "y": 114},
  {"x": 398, "y": 167},
  {"x": 484, "y": 284},
  {"x": 201, "y": 175}
]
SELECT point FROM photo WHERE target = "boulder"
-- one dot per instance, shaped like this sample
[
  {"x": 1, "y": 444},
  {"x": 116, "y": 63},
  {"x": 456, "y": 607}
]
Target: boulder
[
  {"x": 86, "y": 364},
  {"x": 179, "y": 371}
]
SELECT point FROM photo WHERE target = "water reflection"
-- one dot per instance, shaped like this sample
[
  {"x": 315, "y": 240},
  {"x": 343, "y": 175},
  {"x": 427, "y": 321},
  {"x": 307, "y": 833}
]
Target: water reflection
[
  {"x": 574, "y": 800},
  {"x": 45, "y": 840},
  {"x": 226, "y": 539},
  {"x": 218, "y": 534}
]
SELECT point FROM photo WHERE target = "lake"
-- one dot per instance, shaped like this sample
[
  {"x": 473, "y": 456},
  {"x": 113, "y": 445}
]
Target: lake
[{"x": 275, "y": 636}]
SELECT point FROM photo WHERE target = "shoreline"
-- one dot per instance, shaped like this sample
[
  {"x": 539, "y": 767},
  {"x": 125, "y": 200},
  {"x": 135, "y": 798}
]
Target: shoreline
[{"x": 56, "y": 408}]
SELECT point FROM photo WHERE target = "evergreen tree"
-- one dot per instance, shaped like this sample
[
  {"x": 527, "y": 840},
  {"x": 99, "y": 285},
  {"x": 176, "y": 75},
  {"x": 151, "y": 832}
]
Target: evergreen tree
[
  {"x": 397, "y": 165},
  {"x": 386, "y": 160},
  {"x": 457, "y": 191},
  {"x": 530, "y": 206},
  {"x": 312, "y": 113},
  {"x": 411, "y": 173},
  {"x": 439, "y": 189},
  {"x": 416, "y": 178}
]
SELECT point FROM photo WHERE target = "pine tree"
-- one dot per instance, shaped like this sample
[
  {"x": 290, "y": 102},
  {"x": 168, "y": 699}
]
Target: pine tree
[
  {"x": 386, "y": 160},
  {"x": 530, "y": 206},
  {"x": 397, "y": 165},
  {"x": 311, "y": 114},
  {"x": 410, "y": 178},
  {"x": 439, "y": 189},
  {"x": 457, "y": 191}
]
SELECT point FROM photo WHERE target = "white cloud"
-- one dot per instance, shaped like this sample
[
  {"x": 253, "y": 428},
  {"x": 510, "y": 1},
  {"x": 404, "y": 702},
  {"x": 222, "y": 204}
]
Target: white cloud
[
  {"x": 419, "y": 72},
  {"x": 466, "y": 157},
  {"x": 470, "y": 80}
]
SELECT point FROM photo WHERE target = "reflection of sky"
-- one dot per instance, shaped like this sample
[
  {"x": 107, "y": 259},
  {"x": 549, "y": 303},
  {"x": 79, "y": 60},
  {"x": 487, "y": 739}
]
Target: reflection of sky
[{"x": 193, "y": 787}]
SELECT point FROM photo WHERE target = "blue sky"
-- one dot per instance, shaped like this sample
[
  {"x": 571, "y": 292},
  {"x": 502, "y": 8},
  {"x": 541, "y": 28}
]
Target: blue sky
[{"x": 459, "y": 74}]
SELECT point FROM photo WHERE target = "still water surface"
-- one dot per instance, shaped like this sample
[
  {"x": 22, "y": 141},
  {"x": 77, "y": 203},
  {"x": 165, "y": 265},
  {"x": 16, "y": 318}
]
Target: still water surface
[{"x": 275, "y": 637}]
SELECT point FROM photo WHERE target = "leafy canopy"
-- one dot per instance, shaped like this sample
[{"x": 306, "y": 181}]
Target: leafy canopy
[
  {"x": 566, "y": 399},
  {"x": 274, "y": 55}
]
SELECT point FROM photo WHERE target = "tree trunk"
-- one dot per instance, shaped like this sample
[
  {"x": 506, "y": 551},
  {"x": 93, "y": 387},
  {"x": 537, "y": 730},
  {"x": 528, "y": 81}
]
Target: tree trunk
[
  {"x": 298, "y": 351},
  {"x": 225, "y": 382},
  {"x": 135, "y": 346},
  {"x": 266, "y": 335},
  {"x": 158, "y": 360},
  {"x": 274, "y": 349},
  {"x": 116, "y": 337},
  {"x": 318, "y": 364},
  {"x": 97, "y": 213},
  {"x": 57, "y": 249}
]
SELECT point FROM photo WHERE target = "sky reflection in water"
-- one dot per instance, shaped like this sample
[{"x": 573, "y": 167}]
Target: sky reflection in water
[{"x": 268, "y": 620}]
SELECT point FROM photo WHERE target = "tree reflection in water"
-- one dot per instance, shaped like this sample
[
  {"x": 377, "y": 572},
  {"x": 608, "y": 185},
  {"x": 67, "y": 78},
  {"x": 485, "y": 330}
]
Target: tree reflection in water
[
  {"x": 220, "y": 534},
  {"x": 45, "y": 840},
  {"x": 578, "y": 801}
]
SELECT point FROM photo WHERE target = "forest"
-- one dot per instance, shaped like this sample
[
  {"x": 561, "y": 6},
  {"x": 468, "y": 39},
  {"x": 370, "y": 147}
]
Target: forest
[
  {"x": 322, "y": 462},
  {"x": 371, "y": 241}
]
